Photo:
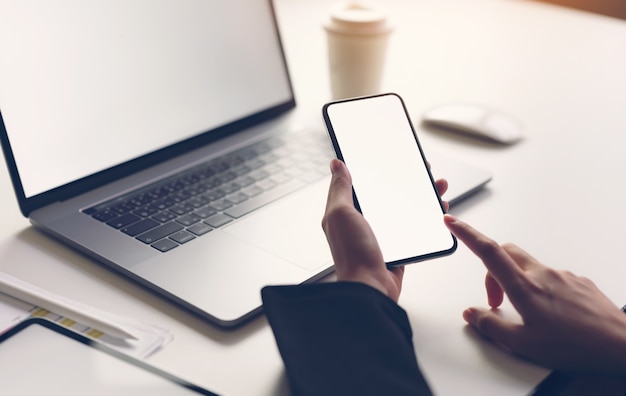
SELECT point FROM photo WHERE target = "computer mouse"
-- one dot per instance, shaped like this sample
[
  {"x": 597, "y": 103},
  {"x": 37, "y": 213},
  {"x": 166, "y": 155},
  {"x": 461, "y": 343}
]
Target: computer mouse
[{"x": 475, "y": 120}]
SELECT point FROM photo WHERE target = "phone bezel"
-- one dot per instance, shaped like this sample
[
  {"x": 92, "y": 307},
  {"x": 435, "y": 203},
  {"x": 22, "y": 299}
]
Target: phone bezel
[{"x": 338, "y": 153}]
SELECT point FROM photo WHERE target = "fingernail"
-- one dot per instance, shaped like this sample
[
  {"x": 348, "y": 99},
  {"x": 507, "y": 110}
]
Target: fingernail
[
  {"x": 449, "y": 219},
  {"x": 335, "y": 165},
  {"x": 469, "y": 315}
]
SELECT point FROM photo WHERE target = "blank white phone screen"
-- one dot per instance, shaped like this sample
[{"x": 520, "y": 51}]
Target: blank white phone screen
[{"x": 392, "y": 184}]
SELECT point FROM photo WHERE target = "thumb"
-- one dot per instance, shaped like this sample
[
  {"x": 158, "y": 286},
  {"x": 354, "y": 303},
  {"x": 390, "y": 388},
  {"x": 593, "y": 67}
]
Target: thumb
[
  {"x": 340, "y": 190},
  {"x": 493, "y": 327}
]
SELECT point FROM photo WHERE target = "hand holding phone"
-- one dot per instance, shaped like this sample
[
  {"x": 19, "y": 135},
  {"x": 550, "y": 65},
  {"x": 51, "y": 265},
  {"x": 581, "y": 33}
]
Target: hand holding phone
[{"x": 392, "y": 185}]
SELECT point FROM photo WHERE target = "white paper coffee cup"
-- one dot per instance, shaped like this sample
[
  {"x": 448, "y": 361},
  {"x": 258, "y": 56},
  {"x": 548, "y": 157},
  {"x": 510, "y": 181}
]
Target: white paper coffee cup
[{"x": 357, "y": 33}]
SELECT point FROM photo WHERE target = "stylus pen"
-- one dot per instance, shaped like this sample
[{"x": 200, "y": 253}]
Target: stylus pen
[{"x": 85, "y": 315}]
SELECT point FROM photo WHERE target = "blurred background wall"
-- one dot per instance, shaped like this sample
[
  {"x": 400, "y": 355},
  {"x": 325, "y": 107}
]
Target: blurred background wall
[{"x": 614, "y": 8}]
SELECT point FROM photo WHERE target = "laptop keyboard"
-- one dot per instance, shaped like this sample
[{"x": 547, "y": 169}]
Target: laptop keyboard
[{"x": 188, "y": 205}]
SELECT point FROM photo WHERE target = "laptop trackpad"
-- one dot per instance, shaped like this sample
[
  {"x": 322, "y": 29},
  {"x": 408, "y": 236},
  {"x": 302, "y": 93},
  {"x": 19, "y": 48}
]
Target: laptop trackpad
[{"x": 290, "y": 228}]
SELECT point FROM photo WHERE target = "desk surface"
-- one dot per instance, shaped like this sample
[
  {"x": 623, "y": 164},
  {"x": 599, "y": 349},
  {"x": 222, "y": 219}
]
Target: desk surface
[{"x": 557, "y": 193}]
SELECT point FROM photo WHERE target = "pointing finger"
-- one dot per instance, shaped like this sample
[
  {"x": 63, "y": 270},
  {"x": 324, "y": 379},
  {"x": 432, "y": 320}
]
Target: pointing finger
[{"x": 498, "y": 262}]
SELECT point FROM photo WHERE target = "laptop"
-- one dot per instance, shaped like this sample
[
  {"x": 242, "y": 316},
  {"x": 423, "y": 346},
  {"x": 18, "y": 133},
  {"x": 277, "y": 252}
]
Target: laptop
[{"x": 160, "y": 138}]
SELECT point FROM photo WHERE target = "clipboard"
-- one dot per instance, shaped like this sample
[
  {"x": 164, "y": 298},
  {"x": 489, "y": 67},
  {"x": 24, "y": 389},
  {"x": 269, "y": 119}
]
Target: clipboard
[{"x": 39, "y": 357}]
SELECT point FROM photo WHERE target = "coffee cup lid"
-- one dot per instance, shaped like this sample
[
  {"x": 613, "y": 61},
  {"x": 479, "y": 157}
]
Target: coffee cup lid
[{"x": 358, "y": 17}]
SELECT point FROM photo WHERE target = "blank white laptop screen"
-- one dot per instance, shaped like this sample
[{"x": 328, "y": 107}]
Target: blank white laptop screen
[{"x": 97, "y": 60}]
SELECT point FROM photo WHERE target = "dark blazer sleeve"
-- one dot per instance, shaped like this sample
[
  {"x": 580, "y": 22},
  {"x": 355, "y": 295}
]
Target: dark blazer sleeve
[{"x": 343, "y": 339}]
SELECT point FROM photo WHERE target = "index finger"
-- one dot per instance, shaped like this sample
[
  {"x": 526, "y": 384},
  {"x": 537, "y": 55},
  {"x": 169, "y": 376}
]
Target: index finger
[{"x": 497, "y": 260}]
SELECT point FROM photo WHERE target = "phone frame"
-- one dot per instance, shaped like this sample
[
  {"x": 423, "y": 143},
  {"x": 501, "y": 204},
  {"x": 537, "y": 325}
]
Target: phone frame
[{"x": 339, "y": 154}]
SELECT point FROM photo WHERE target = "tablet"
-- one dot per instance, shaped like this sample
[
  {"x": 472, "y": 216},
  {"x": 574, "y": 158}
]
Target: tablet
[{"x": 40, "y": 357}]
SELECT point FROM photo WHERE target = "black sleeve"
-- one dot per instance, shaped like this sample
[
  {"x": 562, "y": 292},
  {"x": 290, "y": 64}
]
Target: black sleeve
[{"x": 343, "y": 339}]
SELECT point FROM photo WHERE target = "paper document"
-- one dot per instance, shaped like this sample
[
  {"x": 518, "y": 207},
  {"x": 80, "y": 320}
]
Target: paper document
[{"x": 149, "y": 337}]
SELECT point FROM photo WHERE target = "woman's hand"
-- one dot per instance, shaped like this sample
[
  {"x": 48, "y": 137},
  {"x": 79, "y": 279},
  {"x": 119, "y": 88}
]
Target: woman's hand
[
  {"x": 353, "y": 245},
  {"x": 568, "y": 323}
]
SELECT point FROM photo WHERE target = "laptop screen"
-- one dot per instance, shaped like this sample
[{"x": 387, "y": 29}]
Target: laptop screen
[{"x": 105, "y": 82}]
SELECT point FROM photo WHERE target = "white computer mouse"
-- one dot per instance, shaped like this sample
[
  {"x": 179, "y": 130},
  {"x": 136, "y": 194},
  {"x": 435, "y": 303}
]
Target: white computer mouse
[{"x": 475, "y": 120}]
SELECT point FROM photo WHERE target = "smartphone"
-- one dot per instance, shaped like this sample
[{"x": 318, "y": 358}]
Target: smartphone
[{"x": 392, "y": 184}]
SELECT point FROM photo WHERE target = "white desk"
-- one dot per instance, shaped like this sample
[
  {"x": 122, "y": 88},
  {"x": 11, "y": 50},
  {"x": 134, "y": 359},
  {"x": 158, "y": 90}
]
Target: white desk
[{"x": 558, "y": 193}]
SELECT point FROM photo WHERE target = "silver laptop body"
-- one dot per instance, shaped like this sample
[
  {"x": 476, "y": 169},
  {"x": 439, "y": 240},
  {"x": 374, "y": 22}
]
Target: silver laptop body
[
  {"x": 101, "y": 98},
  {"x": 103, "y": 103}
]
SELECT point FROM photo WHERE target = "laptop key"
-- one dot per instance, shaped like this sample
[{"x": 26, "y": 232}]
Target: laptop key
[
  {"x": 123, "y": 220},
  {"x": 164, "y": 245},
  {"x": 141, "y": 200},
  {"x": 252, "y": 191},
  {"x": 265, "y": 198},
  {"x": 164, "y": 217},
  {"x": 218, "y": 220},
  {"x": 105, "y": 215},
  {"x": 159, "y": 232},
  {"x": 200, "y": 228},
  {"x": 237, "y": 198},
  {"x": 163, "y": 204},
  {"x": 267, "y": 184},
  {"x": 123, "y": 207},
  {"x": 205, "y": 212},
  {"x": 245, "y": 181},
  {"x": 146, "y": 211},
  {"x": 182, "y": 208},
  {"x": 221, "y": 204},
  {"x": 259, "y": 174},
  {"x": 182, "y": 236},
  {"x": 188, "y": 220},
  {"x": 138, "y": 228}
]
